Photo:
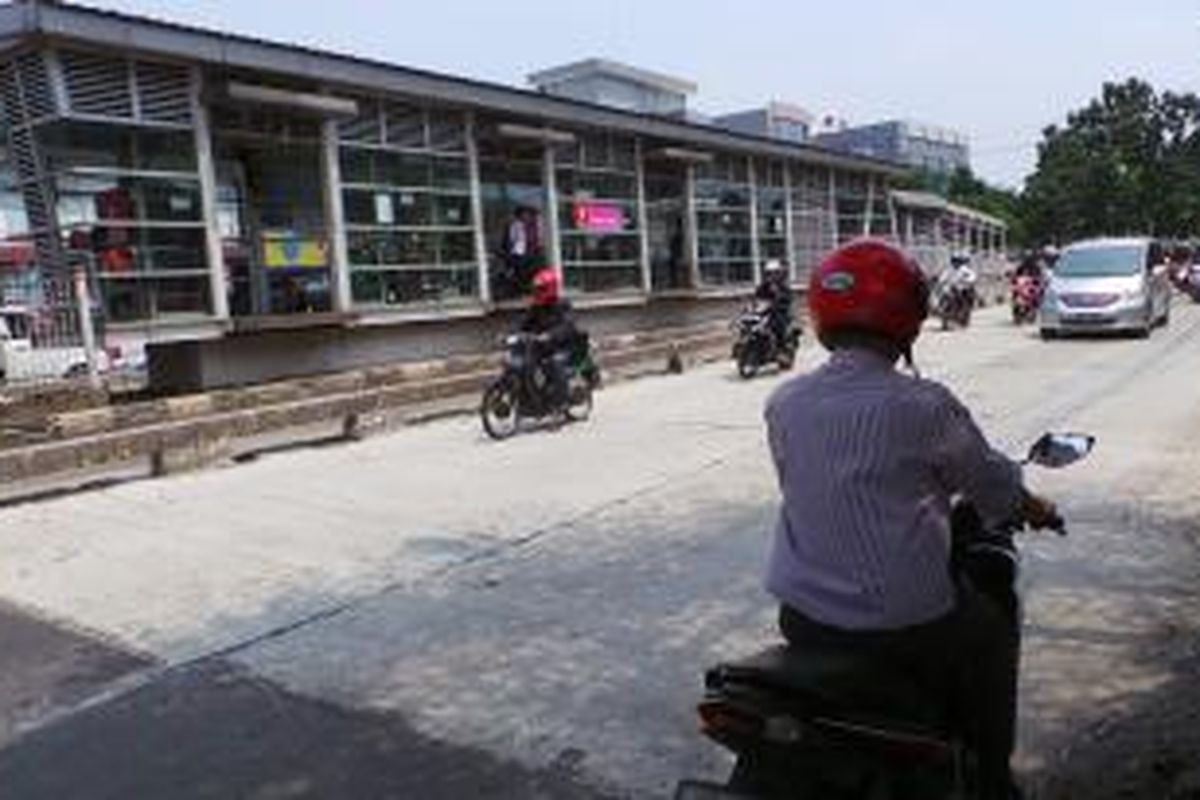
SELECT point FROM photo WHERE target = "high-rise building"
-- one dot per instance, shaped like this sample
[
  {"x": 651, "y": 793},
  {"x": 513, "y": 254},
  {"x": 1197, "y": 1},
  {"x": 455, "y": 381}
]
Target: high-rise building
[
  {"x": 609, "y": 83},
  {"x": 918, "y": 145},
  {"x": 775, "y": 120}
]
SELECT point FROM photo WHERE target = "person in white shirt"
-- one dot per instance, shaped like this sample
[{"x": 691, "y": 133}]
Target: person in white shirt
[{"x": 868, "y": 461}]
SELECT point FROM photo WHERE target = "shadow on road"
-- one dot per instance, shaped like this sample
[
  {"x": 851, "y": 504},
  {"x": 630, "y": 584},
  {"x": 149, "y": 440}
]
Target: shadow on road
[
  {"x": 213, "y": 731},
  {"x": 1112, "y": 659}
]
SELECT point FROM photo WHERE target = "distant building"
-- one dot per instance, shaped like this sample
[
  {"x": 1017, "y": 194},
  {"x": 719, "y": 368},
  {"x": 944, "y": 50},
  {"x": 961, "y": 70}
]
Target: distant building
[
  {"x": 918, "y": 145},
  {"x": 616, "y": 85},
  {"x": 775, "y": 120}
]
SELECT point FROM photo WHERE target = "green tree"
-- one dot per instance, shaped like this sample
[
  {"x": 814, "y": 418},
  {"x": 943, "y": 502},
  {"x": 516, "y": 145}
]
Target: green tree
[{"x": 1127, "y": 163}]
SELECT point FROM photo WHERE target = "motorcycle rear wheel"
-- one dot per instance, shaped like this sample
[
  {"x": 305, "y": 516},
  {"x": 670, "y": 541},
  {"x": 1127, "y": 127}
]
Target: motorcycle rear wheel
[
  {"x": 579, "y": 402},
  {"x": 499, "y": 410}
]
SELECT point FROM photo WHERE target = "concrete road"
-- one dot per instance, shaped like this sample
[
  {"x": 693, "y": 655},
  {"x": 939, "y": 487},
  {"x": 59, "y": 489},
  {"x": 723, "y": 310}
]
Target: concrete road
[{"x": 430, "y": 614}]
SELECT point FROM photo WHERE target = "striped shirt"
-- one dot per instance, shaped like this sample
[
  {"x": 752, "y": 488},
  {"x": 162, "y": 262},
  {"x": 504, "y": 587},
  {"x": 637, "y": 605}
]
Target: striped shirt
[{"x": 868, "y": 459}]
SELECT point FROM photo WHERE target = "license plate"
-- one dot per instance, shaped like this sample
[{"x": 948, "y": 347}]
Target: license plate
[
  {"x": 1087, "y": 319},
  {"x": 697, "y": 790}
]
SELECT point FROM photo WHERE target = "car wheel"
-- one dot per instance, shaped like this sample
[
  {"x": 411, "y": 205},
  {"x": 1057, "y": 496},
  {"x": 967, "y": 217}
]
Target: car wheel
[{"x": 1048, "y": 334}]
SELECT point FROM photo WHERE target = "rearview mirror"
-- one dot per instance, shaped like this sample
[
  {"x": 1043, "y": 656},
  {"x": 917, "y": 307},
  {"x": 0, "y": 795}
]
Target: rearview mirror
[{"x": 1055, "y": 450}]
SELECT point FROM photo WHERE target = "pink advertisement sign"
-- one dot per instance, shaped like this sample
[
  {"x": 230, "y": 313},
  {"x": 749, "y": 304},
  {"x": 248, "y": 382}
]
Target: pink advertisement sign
[{"x": 599, "y": 217}]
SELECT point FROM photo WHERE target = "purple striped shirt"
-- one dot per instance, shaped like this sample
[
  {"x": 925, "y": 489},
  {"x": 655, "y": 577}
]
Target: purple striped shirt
[{"x": 868, "y": 459}]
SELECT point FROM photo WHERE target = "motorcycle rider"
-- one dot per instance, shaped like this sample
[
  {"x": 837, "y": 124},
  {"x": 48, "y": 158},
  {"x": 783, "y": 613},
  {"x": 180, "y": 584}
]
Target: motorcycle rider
[
  {"x": 1031, "y": 266},
  {"x": 868, "y": 460},
  {"x": 549, "y": 318},
  {"x": 774, "y": 290},
  {"x": 963, "y": 278}
]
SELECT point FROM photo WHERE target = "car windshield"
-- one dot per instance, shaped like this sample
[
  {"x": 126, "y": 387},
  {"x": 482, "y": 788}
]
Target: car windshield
[{"x": 1100, "y": 262}]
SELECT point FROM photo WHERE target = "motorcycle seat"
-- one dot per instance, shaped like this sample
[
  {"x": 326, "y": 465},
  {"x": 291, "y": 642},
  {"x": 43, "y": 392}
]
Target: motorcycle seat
[{"x": 840, "y": 682}]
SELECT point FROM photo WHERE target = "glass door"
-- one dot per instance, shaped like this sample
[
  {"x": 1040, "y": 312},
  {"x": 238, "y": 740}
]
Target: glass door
[{"x": 666, "y": 214}]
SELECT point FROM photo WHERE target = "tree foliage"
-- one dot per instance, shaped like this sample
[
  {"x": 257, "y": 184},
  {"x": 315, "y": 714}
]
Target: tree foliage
[{"x": 1127, "y": 163}]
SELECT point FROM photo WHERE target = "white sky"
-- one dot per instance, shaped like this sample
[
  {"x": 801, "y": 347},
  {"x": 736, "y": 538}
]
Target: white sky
[{"x": 1000, "y": 70}]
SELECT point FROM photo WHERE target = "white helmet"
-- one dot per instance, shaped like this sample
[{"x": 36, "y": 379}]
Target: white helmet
[{"x": 773, "y": 265}]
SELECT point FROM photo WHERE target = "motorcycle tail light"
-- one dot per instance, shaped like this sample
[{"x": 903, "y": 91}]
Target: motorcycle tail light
[{"x": 717, "y": 717}]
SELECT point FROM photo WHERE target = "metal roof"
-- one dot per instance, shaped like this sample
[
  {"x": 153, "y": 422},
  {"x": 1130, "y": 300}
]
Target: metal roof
[
  {"x": 109, "y": 29},
  {"x": 603, "y": 66},
  {"x": 935, "y": 202}
]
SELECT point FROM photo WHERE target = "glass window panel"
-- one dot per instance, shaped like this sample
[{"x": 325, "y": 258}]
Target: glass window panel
[
  {"x": 87, "y": 145},
  {"x": 602, "y": 278},
  {"x": 124, "y": 250},
  {"x": 359, "y": 206},
  {"x": 447, "y": 131},
  {"x": 132, "y": 300},
  {"x": 86, "y": 199},
  {"x": 406, "y": 127},
  {"x": 596, "y": 151},
  {"x": 357, "y": 165},
  {"x": 451, "y": 173},
  {"x": 398, "y": 287},
  {"x": 624, "y": 154},
  {"x": 366, "y": 286},
  {"x": 452, "y": 210},
  {"x": 413, "y": 209},
  {"x": 457, "y": 247},
  {"x": 566, "y": 154}
]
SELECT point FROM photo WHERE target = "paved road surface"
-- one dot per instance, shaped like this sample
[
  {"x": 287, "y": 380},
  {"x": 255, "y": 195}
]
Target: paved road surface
[{"x": 429, "y": 614}]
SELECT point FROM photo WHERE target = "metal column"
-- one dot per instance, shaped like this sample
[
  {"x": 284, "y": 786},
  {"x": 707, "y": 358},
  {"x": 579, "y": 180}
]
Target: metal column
[
  {"x": 481, "y": 256},
  {"x": 869, "y": 216},
  {"x": 335, "y": 218},
  {"x": 642, "y": 219},
  {"x": 893, "y": 218},
  {"x": 217, "y": 277},
  {"x": 833, "y": 209},
  {"x": 553, "y": 233},
  {"x": 691, "y": 227},
  {"x": 789, "y": 224},
  {"x": 755, "y": 244}
]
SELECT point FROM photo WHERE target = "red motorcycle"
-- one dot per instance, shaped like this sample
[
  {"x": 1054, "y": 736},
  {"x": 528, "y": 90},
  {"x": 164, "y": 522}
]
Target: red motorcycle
[{"x": 1026, "y": 298}]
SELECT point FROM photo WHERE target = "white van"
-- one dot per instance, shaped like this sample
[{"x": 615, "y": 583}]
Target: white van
[
  {"x": 1107, "y": 285},
  {"x": 21, "y": 361}
]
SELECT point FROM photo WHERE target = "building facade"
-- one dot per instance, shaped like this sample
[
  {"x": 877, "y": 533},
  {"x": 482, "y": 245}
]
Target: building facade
[
  {"x": 933, "y": 228},
  {"x": 616, "y": 85},
  {"x": 213, "y": 188},
  {"x": 775, "y": 120},
  {"x": 927, "y": 147}
]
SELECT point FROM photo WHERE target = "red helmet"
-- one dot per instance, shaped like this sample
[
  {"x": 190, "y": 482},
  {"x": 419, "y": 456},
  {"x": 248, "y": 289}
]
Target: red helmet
[
  {"x": 546, "y": 287},
  {"x": 869, "y": 285}
]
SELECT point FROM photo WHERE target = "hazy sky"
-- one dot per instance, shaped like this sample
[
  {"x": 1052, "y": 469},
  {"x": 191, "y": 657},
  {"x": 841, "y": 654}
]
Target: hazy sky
[{"x": 1000, "y": 70}]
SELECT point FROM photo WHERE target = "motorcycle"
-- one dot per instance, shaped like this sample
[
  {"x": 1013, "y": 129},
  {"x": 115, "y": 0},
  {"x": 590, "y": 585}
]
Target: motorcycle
[
  {"x": 523, "y": 390},
  {"x": 756, "y": 344},
  {"x": 953, "y": 304},
  {"x": 1026, "y": 298},
  {"x": 832, "y": 724}
]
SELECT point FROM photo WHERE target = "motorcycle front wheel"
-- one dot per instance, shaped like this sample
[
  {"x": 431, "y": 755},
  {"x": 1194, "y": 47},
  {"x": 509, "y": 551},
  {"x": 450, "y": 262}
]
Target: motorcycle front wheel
[
  {"x": 499, "y": 410},
  {"x": 747, "y": 364}
]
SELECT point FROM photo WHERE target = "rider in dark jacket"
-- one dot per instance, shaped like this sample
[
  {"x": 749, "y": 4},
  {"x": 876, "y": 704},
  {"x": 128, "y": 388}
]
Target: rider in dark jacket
[
  {"x": 774, "y": 290},
  {"x": 549, "y": 318}
]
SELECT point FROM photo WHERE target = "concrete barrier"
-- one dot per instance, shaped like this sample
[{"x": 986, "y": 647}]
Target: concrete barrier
[{"x": 191, "y": 431}]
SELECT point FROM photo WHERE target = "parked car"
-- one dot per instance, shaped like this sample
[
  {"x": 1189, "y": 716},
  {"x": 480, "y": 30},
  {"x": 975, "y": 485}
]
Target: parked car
[
  {"x": 22, "y": 360},
  {"x": 1107, "y": 285}
]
